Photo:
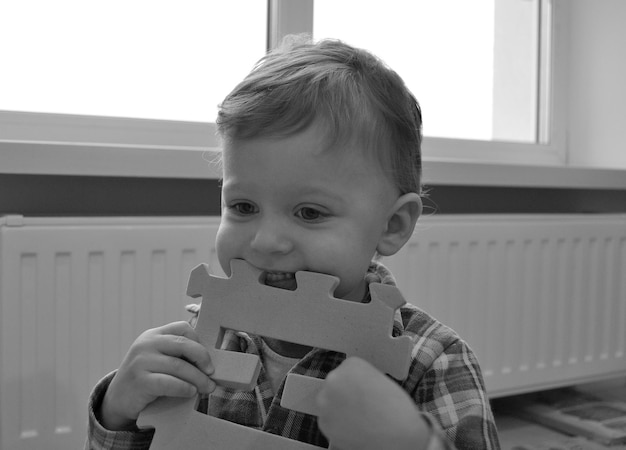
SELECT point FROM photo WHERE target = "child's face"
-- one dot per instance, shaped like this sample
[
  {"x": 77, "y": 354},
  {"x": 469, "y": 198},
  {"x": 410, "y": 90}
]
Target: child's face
[{"x": 289, "y": 205}]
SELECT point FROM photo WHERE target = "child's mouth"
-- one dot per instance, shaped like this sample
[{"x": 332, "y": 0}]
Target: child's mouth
[{"x": 281, "y": 280}]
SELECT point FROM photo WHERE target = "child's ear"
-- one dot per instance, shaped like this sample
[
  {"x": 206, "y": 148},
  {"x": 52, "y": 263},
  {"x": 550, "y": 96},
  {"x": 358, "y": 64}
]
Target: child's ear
[{"x": 400, "y": 224}]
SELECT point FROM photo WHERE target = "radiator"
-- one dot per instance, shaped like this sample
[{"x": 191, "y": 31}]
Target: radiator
[
  {"x": 75, "y": 293},
  {"x": 540, "y": 299}
]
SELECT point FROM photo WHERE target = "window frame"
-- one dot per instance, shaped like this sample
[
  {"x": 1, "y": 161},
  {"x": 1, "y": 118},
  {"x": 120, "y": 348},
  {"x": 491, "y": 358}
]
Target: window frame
[
  {"x": 63, "y": 144},
  {"x": 550, "y": 148},
  {"x": 59, "y": 144}
]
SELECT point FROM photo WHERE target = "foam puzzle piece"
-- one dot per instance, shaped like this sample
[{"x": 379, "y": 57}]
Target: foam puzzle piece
[
  {"x": 178, "y": 426},
  {"x": 356, "y": 329},
  {"x": 300, "y": 393}
]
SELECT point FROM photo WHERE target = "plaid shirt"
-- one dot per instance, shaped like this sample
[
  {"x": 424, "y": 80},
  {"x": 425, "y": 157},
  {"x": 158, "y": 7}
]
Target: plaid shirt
[{"x": 444, "y": 381}]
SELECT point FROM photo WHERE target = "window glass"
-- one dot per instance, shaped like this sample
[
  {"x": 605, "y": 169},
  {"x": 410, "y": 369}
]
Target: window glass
[
  {"x": 471, "y": 64},
  {"x": 151, "y": 59}
]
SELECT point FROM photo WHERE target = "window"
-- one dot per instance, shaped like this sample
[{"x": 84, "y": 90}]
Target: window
[
  {"x": 471, "y": 64},
  {"x": 150, "y": 59},
  {"x": 133, "y": 76},
  {"x": 480, "y": 69},
  {"x": 146, "y": 73}
]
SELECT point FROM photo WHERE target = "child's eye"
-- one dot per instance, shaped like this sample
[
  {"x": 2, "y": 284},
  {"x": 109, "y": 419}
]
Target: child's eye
[
  {"x": 243, "y": 208},
  {"x": 310, "y": 214}
]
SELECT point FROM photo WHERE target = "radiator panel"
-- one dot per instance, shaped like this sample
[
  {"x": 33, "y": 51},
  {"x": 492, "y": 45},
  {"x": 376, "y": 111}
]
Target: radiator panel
[
  {"x": 75, "y": 294},
  {"x": 540, "y": 299}
]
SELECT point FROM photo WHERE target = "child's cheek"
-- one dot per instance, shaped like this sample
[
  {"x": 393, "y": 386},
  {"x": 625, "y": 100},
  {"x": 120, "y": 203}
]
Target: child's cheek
[{"x": 224, "y": 247}]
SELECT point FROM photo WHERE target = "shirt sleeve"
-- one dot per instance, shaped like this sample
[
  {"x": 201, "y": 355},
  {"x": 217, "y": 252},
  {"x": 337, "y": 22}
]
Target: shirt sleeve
[
  {"x": 452, "y": 393},
  {"x": 99, "y": 438}
]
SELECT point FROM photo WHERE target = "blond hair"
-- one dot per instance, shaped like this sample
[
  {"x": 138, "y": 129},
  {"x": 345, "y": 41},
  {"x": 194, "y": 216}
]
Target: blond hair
[{"x": 351, "y": 92}]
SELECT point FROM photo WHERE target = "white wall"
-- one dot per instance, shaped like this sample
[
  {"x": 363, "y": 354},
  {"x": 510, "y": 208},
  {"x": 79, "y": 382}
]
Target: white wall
[{"x": 597, "y": 84}]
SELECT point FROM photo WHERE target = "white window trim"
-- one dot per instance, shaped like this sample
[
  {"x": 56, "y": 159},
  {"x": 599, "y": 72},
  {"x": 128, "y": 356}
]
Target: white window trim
[
  {"x": 57, "y": 144},
  {"x": 288, "y": 17},
  {"x": 552, "y": 147}
]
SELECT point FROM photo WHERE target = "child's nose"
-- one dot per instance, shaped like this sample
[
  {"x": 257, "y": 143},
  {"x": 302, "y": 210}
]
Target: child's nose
[{"x": 271, "y": 237}]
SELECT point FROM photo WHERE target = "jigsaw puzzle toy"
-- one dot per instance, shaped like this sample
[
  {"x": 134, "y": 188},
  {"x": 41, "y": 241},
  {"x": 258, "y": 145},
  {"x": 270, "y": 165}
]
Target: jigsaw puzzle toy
[{"x": 356, "y": 329}]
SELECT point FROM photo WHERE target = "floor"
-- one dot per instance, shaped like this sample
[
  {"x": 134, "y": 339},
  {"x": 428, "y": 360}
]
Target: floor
[{"x": 519, "y": 434}]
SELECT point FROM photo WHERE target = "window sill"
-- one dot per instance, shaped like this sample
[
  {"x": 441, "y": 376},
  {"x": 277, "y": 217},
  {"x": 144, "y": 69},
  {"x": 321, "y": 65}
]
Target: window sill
[
  {"x": 62, "y": 158},
  {"x": 470, "y": 173},
  {"x": 23, "y": 157}
]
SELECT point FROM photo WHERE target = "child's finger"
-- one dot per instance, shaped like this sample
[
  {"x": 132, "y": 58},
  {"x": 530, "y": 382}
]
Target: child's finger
[
  {"x": 161, "y": 384},
  {"x": 186, "y": 349},
  {"x": 181, "y": 370},
  {"x": 185, "y": 346},
  {"x": 180, "y": 328}
]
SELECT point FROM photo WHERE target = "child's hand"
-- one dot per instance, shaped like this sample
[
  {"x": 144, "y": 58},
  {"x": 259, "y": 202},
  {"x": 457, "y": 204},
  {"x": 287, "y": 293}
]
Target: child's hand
[
  {"x": 165, "y": 361},
  {"x": 361, "y": 408}
]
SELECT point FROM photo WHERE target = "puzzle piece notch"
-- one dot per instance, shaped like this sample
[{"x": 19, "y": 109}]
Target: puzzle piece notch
[
  {"x": 300, "y": 393},
  {"x": 233, "y": 370},
  {"x": 356, "y": 329}
]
